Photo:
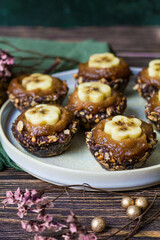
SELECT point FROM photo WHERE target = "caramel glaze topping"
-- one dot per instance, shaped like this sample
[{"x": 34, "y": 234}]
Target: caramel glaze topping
[
  {"x": 127, "y": 148},
  {"x": 120, "y": 71},
  {"x": 45, "y": 129},
  {"x": 145, "y": 78},
  {"x": 16, "y": 88},
  {"x": 155, "y": 103},
  {"x": 75, "y": 104}
]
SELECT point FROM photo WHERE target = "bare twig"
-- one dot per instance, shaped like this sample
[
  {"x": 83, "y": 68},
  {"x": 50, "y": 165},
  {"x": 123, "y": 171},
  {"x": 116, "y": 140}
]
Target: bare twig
[
  {"x": 38, "y": 53},
  {"x": 53, "y": 66}
]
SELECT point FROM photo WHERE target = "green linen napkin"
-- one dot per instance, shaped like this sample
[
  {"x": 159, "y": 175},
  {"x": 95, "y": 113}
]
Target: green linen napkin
[{"x": 76, "y": 50}]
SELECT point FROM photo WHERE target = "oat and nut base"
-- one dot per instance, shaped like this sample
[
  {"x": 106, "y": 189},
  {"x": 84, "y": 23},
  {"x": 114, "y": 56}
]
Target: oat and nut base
[
  {"x": 116, "y": 84},
  {"x": 45, "y": 146},
  {"x": 88, "y": 120},
  {"x": 152, "y": 116},
  {"x": 107, "y": 160}
]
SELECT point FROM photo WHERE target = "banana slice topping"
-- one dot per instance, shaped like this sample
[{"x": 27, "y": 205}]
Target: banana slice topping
[
  {"x": 154, "y": 68},
  {"x": 43, "y": 114},
  {"x": 37, "y": 81},
  {"x": 93, "y": 92},
  {"x": 103, "y": 60},
  {"x": 122, "y": 127}
]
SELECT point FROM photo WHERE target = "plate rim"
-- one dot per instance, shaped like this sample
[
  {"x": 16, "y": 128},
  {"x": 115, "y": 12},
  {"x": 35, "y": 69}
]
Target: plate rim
[{"x": 33, "y": 158}]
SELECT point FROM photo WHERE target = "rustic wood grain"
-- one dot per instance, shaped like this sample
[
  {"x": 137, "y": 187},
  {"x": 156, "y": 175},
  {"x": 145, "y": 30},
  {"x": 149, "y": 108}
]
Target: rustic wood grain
[{"x": 137, "y": 46}]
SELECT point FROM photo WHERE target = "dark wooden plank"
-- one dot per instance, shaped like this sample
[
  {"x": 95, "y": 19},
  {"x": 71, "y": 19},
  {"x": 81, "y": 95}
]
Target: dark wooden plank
[{"x": 137, "y": 46}]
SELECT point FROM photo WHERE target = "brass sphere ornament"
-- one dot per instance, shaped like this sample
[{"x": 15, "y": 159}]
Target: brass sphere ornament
[
  {"x": 98, "y": 224},
  {"x": 133, "y": 211},
  {"x": 126, "y": 202},
  {"x": 142, "y": 203}
]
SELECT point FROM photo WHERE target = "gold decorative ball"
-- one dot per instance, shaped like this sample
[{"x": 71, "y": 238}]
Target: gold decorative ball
[
  {"x": 126, "y": 202},
  {"x": 142, "y": 203},
  {"x": 133, "y": 211},
  {"x": 98, "y": 224}
]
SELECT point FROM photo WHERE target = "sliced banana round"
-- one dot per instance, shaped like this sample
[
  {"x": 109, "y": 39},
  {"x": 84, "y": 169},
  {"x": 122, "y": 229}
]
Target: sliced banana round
[
  {"x": 37, "y": 81},
  {"x": 43, "y": 114},
  {"x": 93, "y": 92},
  {"x": 103, "y": 60},
  {"x": 122, "y": 127},
  {"x": 154, "y": 68}
]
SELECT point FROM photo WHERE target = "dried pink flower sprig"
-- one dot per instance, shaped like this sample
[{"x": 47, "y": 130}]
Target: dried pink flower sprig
[
  {"x": 6, "y": 62},
  {"x": 37, "y": 203},
  {"x": 28, "y": 200},
  {"x": 77, "y": 231}
]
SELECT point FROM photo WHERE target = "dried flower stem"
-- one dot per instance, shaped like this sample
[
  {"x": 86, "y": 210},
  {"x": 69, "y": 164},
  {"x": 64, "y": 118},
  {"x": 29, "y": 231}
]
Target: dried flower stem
[
  {"x": 53, "y": 66},
  {"x": 86, "y": 186},
  {"x": 38, "y": 53},
  {"x": 151, "y": 218}
]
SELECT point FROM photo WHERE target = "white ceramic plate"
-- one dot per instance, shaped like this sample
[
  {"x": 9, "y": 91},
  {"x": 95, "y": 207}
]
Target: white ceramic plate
[{"x": 77, "y": 165}]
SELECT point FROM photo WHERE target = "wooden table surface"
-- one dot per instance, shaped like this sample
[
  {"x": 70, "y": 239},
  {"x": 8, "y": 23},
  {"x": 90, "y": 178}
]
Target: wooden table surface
[{"x": 137, "y": 45}]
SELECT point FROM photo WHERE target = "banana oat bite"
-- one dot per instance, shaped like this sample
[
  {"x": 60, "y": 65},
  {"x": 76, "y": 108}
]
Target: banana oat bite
[
  {"x": 106, "y": 68},
  {"x": 121, "y": 142},
  {"x": 45, "y": 130},
  {"x": 148, "y": 81},
  {"x": 94, "y": 101},
  {"x": 152, "y": 109},
  {"x": 29, "y": 90}
]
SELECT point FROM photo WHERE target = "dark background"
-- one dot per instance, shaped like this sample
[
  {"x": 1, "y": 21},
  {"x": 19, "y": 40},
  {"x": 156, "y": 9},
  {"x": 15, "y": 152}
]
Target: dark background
[{"x": 72, "y": 13}]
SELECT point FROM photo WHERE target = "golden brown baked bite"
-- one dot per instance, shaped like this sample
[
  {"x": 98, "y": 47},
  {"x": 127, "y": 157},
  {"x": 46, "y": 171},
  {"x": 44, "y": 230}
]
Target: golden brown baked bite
[
  {"x": 45, "y": 130},
  {"x": 121, "y": 142},
  {"x": 106, "y": 68},
  {"x": 148, "y": 81},
  {"x": 94, "y": 101},
  {"x": 152, "y": 109},
  {"x": 28, "y": 90}
]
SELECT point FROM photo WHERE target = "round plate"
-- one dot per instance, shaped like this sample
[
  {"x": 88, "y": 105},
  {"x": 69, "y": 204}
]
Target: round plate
[{"x": 77, "y": 165}]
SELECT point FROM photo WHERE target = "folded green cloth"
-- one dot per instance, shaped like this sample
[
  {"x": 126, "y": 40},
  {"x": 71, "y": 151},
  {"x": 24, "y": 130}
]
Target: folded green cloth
[{"x": 76, "y": 50}]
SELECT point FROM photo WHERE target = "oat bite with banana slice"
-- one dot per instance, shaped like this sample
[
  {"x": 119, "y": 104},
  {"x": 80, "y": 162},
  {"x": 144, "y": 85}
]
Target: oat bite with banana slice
[
  {"x": 152, "y": 109},
  {"x": 29, "y": 90},
  {"x": 45, "y": 130},
  {"x": 106, "y": 68},
  {"x": 148, "y": 80},
  {"x": 121, "y": 142},
  {"x": 94, "y": 101}
]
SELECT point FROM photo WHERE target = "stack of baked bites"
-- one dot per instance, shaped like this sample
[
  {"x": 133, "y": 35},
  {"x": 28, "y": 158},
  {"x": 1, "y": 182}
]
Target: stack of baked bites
[
  {"x": 117, "y": 142},
  {"x": 148, "y": 86},
  {"x": 98, "y": 94},
  {"x": 45, "y": 128}
]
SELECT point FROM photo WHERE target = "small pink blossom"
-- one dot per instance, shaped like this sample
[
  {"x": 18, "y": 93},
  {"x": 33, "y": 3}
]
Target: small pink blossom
[
  {"x": 77, "y": 231},
  {"x": 73, "y": 228},
  {"x": 6, "y": 62},
  {"x": 44, "y": 201},
  {"x": 18, "y": 195},
  {"x": 66, "y": 237},
  {"x": 32, "y": 226},
  {"x": 9, "y": 194},
  {"x": 43, "y": 238},
  {"x": 21, "y": 212}
]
